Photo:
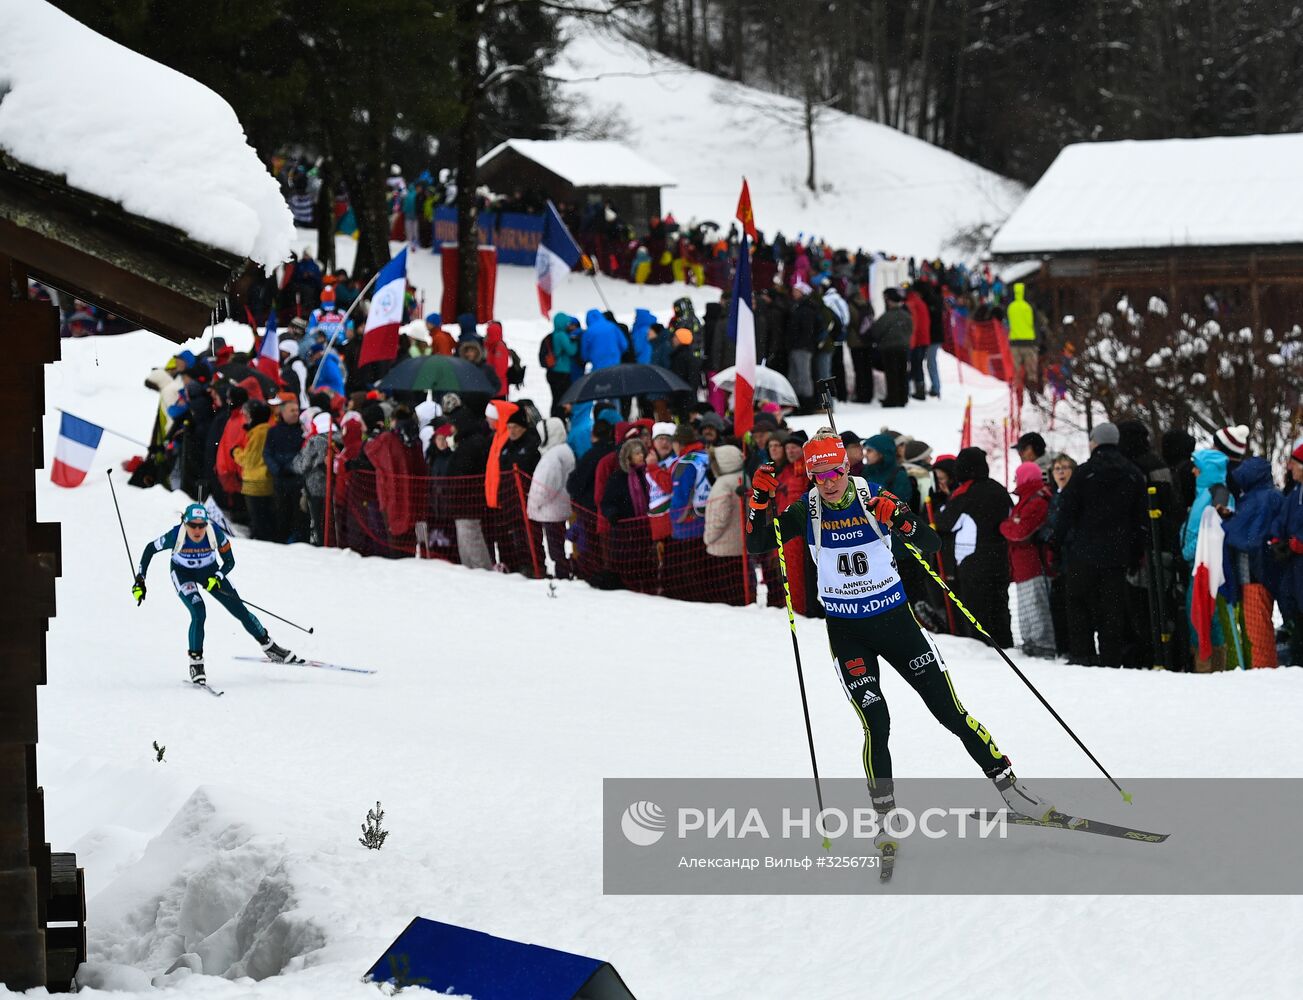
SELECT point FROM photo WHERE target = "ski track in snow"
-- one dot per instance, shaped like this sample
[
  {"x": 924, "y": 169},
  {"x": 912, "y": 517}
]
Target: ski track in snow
[{"x": 495, "y": 716}]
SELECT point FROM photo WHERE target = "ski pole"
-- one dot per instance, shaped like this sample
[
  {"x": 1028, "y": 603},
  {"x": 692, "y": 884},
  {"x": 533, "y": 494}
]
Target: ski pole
[
  {"x": 125, "y": 544},
  {"x": 1126, "y": 796},
  {"x": 272, "y": 614},
  {"x": 800, "y": 674},
  {"x": 826, "y": 402}
]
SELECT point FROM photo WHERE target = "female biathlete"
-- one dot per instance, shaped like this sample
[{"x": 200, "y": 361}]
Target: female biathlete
[
  {"x": 847, "y": 523},
  {"x": 195, "y": 546}
]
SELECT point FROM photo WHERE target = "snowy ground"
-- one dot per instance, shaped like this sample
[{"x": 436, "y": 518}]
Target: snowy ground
[{"x": 495, "y": 715}]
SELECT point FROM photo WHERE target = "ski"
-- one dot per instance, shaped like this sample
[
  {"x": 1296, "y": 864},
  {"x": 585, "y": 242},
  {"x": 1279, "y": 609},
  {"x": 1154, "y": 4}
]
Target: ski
[
  {"x": 887, "y": 866},
  {"x": 211, "y": 690},
  {"x": 1062, "y": 821},
  {"x": 300, "y": 662}
]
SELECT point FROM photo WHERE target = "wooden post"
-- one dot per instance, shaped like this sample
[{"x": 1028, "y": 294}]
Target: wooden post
[{"x": 29, "y": 551}]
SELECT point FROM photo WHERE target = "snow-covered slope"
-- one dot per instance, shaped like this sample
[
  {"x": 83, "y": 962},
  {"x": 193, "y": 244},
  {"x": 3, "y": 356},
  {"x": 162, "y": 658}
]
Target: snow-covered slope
[
  {"x": 497, "y": 711},
  {"x": 879, "y": 188}
]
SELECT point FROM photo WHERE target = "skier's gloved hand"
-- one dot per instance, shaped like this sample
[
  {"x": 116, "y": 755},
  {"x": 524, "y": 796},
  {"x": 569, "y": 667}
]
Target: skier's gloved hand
[
  {"x": 215, "y": 581},
  {"x": 893, "y": 512},
  {"x": 138, "y": 589},
  {"x": 1296, "y": 545},
  {"x": 765, "y": 481}
]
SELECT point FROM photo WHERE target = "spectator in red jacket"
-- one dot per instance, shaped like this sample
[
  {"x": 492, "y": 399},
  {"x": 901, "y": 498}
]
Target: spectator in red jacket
[
  {"x": 1028, "y": 560},
  {"x": 496, "y": 356},
  {"x": 919, "y": 343}
]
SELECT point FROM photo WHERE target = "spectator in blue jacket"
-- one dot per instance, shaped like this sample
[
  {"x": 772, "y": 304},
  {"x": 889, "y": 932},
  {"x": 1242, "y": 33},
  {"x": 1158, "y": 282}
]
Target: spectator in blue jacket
[
  {"x": 284, "y": 440},
  {"x": 1250, "y": 575},
  {"x": 565, "y": 354},
  {"x": 1289, "y": 550},
  {"x": 603, "y": 341},
  {"x": 642, "y": 348},
  {"x": 1209, "y": 467},
  {"x": 691, "y": 479},
  {"x": 661, "y": 343}
]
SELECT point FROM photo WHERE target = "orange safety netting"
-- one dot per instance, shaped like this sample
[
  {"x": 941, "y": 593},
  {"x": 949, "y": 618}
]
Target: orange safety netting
[{"x": 449, "y": 518}]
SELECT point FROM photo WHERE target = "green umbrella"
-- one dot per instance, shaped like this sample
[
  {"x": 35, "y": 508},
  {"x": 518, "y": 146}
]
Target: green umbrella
[{"x": 437, "y": 373}]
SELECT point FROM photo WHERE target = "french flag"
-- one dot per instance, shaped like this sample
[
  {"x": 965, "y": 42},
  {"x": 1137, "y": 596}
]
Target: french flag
[
  {"x": 742, "y": 321},
  {"x": 380, "y": 338},
  {"x": 268, "y": 360},
  {"x": 558, "y": 253},
  {"x": 74, "y": 451}
]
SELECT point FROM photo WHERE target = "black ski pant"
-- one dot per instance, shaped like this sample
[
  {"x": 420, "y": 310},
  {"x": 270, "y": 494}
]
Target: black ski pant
[
  {"x": 862, "y": 362},
  {"x": 1096, "y": 595},
  {"x": 858, "y": 644},
  {"x": 984, "y": 589},
  {"x": 895, "y": 365}
]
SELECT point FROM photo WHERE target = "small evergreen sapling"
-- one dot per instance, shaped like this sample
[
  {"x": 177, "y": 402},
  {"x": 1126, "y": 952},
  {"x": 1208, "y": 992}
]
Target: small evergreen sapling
[
  {"x": 373, "y": 836},
  {"x": 159, "y": 751}
]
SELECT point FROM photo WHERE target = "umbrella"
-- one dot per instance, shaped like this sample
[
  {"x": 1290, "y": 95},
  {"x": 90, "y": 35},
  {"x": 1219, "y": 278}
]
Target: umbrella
[
  {"x": 238, "y": 371},
  {"x": 770, "y": 385},
  {"x": 623, "y": 381},
  {"x": 437, "y": 373}
]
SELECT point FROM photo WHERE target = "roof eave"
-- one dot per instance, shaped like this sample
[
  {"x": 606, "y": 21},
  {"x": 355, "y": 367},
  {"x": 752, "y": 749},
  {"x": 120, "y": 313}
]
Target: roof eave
[{"x": 141, "y": 270}]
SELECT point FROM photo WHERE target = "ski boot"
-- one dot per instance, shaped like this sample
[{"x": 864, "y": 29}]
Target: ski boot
[
  {"x": 197, "y": 668},
  {"x": 1020, "y": 799},
  {"x": 278, "y": 654},
  {"x": 883, "y": 804}
]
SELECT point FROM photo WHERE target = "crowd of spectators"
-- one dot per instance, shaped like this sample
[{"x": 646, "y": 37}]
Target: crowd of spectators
[{"x": 656, "y": 503}]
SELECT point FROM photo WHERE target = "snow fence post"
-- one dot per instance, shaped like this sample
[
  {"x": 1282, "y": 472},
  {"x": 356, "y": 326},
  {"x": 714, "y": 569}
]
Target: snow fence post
[
  {"x": 328, "y": 514},
  {"x": 746, "y": 561},
  {"x": 524, "y": 516}
]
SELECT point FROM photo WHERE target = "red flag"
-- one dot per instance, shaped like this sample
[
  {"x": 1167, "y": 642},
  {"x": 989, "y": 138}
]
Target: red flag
[
  {"x": 744, "y": 213},
  {"x": 966, "y": 433}
]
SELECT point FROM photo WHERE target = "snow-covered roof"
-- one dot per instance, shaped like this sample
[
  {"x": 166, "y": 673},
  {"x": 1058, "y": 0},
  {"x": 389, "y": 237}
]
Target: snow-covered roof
[
  {"x": 587, "y": 162},
  {"x": 1222, "y": 191},
  {"x": 125, "y": 128}
]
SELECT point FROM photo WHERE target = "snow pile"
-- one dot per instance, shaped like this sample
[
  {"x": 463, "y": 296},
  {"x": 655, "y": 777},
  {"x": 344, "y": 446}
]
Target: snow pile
[
  {"x": 879, "y": 189},
  {"x": 128, "y": 129},
  {"x": 1222, "y": 191},
  {"x": 587, "y": 162}
]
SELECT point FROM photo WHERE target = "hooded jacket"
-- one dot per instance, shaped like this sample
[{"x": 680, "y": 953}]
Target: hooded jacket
[
  {"x": 1212, "y": 466},
  {"x": 564, "y": 348},
  {"x": 603, "y": 341},
  {"x": 1289, "y": 590},
  {"x": 987, "y": 503},
  {"x": 402, "y": 487},
  {"x": 549, "y": 503},
  {"x": 888, "y": 473},
  {"x": 496, "y": 355},
  {"x": 723, "y": 532},
  {"x": 1103, "y": 508},
  {"x": 1257, "y": 514},
  {"x": 642, "y": 321},
  {"x": 1027, "y": 557},
  {"x": 1022, "y": 321}
]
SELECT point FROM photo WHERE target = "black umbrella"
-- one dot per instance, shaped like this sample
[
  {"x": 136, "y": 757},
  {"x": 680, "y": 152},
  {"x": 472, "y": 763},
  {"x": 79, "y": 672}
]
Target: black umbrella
[
  {"x": 238, "y": 371},
  {"x": 437, "y": 373},
  {"x": 623, "y": 381}
]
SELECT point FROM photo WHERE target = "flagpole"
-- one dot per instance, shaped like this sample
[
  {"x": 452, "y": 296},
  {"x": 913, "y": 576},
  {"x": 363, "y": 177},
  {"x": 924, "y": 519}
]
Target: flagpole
[
  {"x": 347, "y": 312},
  {"x": 106, "y": 430},
  {"x": 593, "y": 274}
]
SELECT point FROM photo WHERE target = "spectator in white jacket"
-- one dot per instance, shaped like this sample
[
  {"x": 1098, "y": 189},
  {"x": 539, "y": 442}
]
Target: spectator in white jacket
[
  {"x": 723, "y": 532},
  {"x": 549, "y": 503}
]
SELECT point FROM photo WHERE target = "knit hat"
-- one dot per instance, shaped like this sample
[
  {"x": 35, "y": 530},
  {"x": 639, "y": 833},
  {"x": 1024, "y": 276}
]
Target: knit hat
[
  {"x": 445, "y": 430},
  {"x": 764, "y": 422},
  {"x": 663, "y": 429},
  {"x": 918, "y": 452},
  {"x": 713, "y": 420},
  {"x": 1105, "y": 433},
  {"x": 328, "y": 295},
  {"x": 850, "y": 437},
  {"x": 195, "y": 512},
  {"x": 519, "y": 418},
  {"x": 1233, "y": 440}
]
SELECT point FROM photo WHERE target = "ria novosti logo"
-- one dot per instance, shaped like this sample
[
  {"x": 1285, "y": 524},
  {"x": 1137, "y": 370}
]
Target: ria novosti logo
[{"x": 643, "y": 823}]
